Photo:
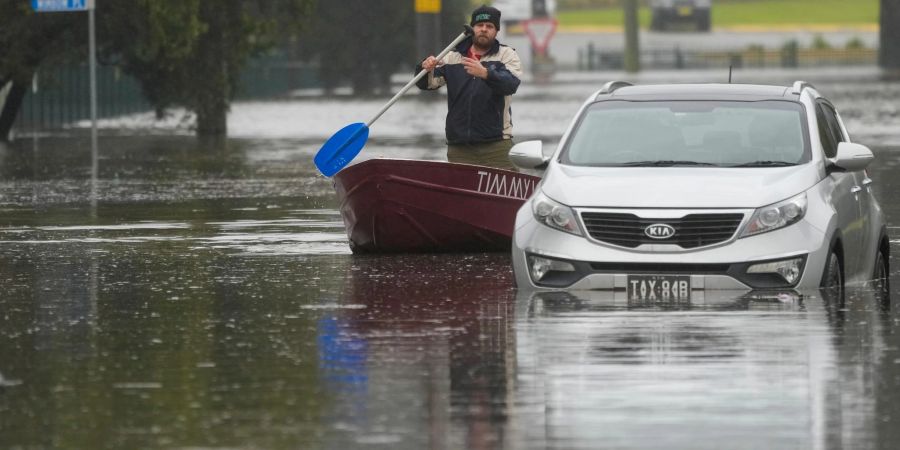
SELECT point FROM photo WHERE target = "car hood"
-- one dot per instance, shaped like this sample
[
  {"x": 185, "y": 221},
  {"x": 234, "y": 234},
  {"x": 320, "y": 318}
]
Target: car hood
[{"x": 676, "y": 187}]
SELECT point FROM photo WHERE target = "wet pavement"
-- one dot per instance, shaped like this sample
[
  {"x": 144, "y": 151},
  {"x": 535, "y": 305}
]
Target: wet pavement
[{"x": 204, "y": 296}]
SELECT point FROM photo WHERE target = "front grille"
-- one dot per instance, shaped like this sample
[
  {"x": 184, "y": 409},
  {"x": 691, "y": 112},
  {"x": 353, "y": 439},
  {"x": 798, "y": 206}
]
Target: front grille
[
  {"x": 660, "y": 268},
  {"x": 691, "y": 231}
]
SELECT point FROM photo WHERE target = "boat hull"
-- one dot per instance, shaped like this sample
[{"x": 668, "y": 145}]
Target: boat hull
[{"x": 402, "y": 206}]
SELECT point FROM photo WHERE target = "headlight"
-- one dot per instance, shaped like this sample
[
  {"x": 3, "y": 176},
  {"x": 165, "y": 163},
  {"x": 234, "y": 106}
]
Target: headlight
[
  {"x": 776, "y": 216},
  {"x": 554, "y": 215}
]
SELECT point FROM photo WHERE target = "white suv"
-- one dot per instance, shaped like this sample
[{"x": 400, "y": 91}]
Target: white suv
[{"x": 658, "y": 191}]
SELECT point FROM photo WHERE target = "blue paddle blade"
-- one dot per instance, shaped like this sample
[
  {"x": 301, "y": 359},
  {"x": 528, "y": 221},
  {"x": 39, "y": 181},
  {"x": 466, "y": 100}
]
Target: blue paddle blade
[{"x": 341, "y": 148}]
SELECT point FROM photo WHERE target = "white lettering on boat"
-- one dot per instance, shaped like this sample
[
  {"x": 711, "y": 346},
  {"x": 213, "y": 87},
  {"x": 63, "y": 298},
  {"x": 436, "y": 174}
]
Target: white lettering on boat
[{"x": 507, "y": 186}]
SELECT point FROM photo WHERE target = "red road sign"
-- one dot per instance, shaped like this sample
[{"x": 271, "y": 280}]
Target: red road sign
[{"x": 540, "y": 30}]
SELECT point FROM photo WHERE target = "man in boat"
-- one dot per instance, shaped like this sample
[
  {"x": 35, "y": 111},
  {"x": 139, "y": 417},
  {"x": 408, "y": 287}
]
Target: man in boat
[{"x": 481, "y": 75}]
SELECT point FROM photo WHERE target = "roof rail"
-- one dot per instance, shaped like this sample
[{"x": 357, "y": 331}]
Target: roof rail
[
  {"x": 611, "y": 86},
  {"x": 799, "y": 85}
]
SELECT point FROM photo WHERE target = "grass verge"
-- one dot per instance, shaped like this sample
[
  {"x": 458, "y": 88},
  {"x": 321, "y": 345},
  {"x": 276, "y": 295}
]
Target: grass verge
[{"x": 759, "y": 13}]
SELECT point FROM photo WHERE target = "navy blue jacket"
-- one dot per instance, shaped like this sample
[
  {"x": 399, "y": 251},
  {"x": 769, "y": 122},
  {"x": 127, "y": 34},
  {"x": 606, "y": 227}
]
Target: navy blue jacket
[{"x": 478, "y": 111}]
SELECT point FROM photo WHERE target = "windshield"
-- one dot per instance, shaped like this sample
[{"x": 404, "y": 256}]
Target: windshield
[{"x": 690, "y": 133}]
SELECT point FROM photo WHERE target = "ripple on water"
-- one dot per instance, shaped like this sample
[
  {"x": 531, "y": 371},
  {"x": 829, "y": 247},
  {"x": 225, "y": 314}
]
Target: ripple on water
[{"x": 319, "y": 235}]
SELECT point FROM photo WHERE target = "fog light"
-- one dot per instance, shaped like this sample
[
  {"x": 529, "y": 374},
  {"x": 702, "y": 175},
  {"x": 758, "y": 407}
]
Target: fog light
[
  {"x": 789, "y": 269},
  {"x": 541, "y": 266}
]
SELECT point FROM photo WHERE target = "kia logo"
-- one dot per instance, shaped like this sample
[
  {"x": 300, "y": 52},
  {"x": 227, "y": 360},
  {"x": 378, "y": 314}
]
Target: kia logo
[{"x": 659, "y": 231}]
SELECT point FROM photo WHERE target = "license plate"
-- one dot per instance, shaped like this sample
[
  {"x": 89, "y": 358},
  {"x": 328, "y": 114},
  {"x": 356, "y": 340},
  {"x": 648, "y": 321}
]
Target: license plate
[
  {"x": 685, "y": 10},
  {"x": 658, "y": 287}
]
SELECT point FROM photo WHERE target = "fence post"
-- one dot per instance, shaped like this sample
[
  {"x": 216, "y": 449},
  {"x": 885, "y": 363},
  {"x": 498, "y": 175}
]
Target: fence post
[
  {"x": 789, "y": 54},
  {"x": 590, "y": 56}
]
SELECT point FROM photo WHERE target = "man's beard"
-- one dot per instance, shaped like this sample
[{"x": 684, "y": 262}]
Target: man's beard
[{"x": 483, "y": 41}]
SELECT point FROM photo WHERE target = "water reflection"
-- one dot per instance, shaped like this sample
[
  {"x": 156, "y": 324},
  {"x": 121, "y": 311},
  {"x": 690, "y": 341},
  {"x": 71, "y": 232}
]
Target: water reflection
[
  {"x": 439, "y": 357},
  {"x": 743, "y": 372},
  {"x": 609, "y": 301}
]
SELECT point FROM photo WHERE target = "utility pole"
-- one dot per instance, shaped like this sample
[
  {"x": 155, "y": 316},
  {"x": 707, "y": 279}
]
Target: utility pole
[
  {"x": 632, "y": 46},
  {"x": 538, "y": 8},
  {"x": 428, "y": 27},
  {"x": 889, "y": 52}
]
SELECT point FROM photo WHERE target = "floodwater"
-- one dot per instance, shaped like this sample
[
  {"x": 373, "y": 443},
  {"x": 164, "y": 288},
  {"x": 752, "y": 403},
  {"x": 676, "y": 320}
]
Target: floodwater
[{"x": 203, "y": 295}]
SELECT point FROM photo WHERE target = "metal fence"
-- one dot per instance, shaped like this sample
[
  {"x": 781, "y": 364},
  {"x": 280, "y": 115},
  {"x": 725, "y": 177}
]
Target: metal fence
[
  {"x": 61, "y": 95},
  {"x": 789, "y": 56}
]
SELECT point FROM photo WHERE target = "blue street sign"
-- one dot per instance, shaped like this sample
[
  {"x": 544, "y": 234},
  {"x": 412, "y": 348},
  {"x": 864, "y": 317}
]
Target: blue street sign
[{"x": 61, "y": 5}]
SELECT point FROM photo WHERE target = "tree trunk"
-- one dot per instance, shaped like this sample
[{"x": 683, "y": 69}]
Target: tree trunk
[
  {"x": 362, "y": 80},
  {"x": 212, "y": 96},
  {"x": 10, "y": 109},
  {"x": 889, "y": 54},
  {"x": 213, "y": 82},
  {"x": 362, "y": 83},
  {"x": 212, "y": 111}
]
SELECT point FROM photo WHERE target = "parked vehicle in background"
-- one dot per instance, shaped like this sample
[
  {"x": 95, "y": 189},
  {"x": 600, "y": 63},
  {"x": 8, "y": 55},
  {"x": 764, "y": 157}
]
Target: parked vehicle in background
[
  {"x": 658, "y": 191},
  {"x": 666, "y": 13}
]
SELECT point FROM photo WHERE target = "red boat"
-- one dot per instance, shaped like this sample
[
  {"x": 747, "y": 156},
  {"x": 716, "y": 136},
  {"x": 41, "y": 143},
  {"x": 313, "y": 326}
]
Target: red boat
[{"x": 398, "y": 205}]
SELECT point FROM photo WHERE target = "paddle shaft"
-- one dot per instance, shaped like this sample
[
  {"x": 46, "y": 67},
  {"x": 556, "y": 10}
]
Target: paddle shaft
[{"x": 419, "y": 76}]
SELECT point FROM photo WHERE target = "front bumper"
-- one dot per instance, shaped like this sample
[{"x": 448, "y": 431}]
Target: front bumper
[
  {"x": 594, "y": 275},
  {"x": 604, "y": 267}
]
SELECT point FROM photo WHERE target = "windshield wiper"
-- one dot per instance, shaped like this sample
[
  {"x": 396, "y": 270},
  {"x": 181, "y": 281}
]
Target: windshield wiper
[
  {"x": 765, "y": 164},
  {"x": 666, "y": 163}
]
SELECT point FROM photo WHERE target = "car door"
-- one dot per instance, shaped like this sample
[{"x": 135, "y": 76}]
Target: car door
[
  {"x": 845, "y": 196},
  {"x": 866, "y": 200}
]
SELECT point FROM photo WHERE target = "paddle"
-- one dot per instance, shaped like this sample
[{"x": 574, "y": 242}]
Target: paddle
[{"x": 344, "y": 145}]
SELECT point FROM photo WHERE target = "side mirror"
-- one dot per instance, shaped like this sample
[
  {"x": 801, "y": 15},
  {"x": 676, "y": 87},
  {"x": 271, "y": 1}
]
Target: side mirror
[
  {"x": 528, "y": 155},
  {"x": 852, "y": 157}
]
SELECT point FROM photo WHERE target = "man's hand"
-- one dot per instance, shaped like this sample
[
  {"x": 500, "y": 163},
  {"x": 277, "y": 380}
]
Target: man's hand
[
  {"x": 475, "y": 68},
  {"x": 430, "y": 63}
]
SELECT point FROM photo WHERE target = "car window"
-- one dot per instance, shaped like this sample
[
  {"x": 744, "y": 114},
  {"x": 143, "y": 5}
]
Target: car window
[
  {"x": 828, "y": 123},
  {"x": 703, "y": 133},
  {"x": 829, "y": 144}
]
